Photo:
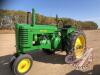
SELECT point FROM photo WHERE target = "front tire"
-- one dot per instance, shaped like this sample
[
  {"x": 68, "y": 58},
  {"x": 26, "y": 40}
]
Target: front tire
[{"x": 22, "y": 64}]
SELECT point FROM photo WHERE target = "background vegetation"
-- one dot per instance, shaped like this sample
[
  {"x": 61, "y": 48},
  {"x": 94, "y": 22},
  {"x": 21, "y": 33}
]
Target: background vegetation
[{"x": 8, "y": 19}]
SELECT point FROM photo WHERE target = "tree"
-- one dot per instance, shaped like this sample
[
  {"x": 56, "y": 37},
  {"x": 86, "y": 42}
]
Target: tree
[{"x": 21, "y": 17}]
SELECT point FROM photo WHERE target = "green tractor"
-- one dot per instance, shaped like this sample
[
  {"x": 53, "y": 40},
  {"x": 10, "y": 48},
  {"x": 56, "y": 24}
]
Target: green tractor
[{"x": 49, "y": 38}]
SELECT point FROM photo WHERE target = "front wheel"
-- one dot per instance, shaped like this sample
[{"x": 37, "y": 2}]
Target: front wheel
[{"x": 22, "y": 64}]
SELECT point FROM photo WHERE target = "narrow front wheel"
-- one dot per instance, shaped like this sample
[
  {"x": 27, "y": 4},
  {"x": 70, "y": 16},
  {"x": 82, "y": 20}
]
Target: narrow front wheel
[{"x": 22, "y": 64}]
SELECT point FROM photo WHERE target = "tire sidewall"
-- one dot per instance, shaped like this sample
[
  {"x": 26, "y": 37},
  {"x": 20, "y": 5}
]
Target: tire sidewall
[{"x": 17, "y": 61}]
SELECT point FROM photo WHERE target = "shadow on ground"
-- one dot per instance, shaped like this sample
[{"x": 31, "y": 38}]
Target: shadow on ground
[
  {"x": 95, "y": 71},
  {"x": 4, "y": 65},
  {"x": 42, "y": 57},
  {"x": 37, "y": 56},
  {"x": 53, "y": 59}
]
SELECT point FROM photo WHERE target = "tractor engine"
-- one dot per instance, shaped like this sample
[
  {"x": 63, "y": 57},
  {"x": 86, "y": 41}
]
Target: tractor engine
[{"x": 36, "y": 37}]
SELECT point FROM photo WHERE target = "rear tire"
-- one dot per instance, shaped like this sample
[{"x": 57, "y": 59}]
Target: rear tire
[
  {"x": 77, "y": 44},
  {"x": 22, "y": 64}
]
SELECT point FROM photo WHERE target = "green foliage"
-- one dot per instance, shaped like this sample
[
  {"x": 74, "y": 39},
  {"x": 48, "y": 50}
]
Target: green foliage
[{"x": 8, "y": 18}]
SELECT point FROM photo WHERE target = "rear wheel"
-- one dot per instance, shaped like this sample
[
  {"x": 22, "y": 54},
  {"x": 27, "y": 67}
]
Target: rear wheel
[
  {"x": 78, "y": 44},
  {"x": 22, "y": 64}
]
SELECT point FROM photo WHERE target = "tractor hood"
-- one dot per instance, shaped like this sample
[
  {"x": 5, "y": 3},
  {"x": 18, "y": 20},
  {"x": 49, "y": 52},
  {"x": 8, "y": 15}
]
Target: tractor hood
[{"x": 38, "y": 29}]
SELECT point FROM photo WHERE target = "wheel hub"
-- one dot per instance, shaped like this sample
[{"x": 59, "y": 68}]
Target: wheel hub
[
  {"x": 24, "y": 65},
  {"x": 79, "y": 46}
]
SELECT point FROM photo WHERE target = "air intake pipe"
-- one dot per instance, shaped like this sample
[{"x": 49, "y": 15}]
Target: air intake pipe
[{"x": 33, "y": 17}]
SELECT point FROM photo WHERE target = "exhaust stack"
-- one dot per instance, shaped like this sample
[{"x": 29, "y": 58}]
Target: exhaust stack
[{"x": 28, "y": 18}]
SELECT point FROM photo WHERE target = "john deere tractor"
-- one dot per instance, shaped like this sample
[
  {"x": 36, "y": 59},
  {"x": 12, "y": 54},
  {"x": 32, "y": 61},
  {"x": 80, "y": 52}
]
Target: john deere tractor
[{"x": 48, "y": 38}]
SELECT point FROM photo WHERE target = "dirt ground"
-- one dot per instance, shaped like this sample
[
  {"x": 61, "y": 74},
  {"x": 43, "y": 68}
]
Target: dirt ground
[{"x": 49, "y": 64}]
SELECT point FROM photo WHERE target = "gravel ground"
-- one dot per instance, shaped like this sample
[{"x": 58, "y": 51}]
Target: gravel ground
[{"x": 50, "y": 64}]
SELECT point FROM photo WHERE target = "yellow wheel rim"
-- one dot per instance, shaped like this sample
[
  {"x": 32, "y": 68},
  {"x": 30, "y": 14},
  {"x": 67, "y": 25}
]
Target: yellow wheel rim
[
  {"x": 79, "y": 46},
  {"x": 24, "y": 65}
]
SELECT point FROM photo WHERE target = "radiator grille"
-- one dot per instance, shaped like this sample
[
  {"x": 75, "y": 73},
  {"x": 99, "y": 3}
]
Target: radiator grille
[{"x": 23, "y": 36}]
